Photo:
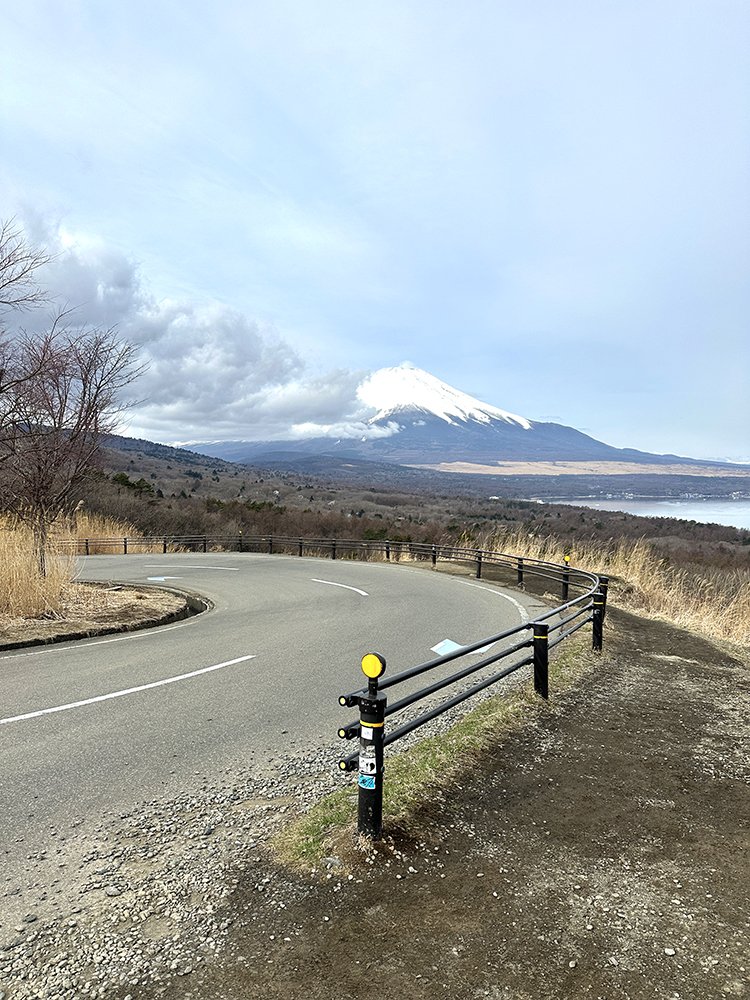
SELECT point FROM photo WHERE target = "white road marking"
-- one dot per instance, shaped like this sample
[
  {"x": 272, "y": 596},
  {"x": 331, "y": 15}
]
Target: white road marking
[
  {"x": 521, "y": 609},
  {"x": 56, "y": 648},
  {"x": 224, "y": 569},
  {"x": 445, "y": 647},
  {"x": 161, "y": 579},
  {"x": 332, "y": 584},
  {"x": 121, "y": 694}
]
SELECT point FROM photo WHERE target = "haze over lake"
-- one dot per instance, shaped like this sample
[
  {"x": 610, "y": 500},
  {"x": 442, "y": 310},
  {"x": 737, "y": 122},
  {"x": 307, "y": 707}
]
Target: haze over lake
[{"x": 735, "y": 513}]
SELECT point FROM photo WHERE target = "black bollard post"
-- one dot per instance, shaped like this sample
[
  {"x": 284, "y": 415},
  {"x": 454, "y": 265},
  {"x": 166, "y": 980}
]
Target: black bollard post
[
  {"x": 604, "y": 586},
  {"x": 434, "y": 555},
  {"x": 598, "y": 622},
  {"x": 479, "y": 564},
  {"x": 372, "y": 723},
  {"x": 566, "y": 578},
  {"x": 520, "y": 571},
  {"x": 541, "y": 658}
]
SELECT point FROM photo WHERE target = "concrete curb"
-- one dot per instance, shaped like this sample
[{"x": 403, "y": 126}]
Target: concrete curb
[{"x": 195, "y": 604}]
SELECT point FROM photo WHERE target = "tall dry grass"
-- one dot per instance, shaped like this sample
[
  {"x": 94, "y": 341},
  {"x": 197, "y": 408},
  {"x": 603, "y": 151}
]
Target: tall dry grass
[
  {"x": 713, "y": 602},
  {"x": 24, "y": 593}
]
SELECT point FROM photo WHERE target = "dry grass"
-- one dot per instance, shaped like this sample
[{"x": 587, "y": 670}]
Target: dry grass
[
  {"x": 24, "y": 593},
  {"x": 712, "y": 602}
]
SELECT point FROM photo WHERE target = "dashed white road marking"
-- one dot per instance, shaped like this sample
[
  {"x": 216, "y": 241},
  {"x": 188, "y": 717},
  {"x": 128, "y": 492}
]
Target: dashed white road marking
[
  {"x": 331, "y": 583},
  {"x": 121, "y": 694},
  {"x": 223, "y": 569}
]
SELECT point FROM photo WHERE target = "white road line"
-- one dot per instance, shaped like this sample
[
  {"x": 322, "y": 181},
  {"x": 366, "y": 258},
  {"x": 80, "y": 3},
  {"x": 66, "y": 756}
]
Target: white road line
[
  {"x": 224, "y": 569},
  {"x": 445, "y": 647},
  {"x": 521, "y": 609},
  {"x": 332, "y": 584},
  {"x": 121, "y": 694},
  {"x": 57, "y": 648}
]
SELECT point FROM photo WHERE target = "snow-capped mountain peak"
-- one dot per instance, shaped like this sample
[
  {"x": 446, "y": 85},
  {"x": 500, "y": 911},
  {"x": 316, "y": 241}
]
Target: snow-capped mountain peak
[{"x": 393, "y": 390}]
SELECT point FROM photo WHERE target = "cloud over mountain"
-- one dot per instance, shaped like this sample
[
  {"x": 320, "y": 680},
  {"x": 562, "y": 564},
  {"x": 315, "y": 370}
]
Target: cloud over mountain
[{"x": 211, "y": 369}]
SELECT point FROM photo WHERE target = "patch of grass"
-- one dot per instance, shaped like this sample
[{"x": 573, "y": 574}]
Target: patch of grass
[{"x": 416, "y": 780}]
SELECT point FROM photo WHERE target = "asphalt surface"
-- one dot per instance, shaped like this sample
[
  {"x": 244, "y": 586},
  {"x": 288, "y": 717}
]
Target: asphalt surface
[{"x": 266, "y": 666}]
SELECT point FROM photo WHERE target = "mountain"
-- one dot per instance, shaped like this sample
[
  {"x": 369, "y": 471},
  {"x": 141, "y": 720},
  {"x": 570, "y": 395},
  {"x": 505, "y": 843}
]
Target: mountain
[{"x": 420, "y": 420}]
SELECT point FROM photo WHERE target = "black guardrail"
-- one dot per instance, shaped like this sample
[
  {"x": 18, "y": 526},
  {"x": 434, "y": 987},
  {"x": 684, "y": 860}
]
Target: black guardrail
[{"x": 526, "y": 645}]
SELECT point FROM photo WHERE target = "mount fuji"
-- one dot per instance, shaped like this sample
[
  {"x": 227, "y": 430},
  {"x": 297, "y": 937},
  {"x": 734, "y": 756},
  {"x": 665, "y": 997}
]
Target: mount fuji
[{"x": 420, "y": 420}]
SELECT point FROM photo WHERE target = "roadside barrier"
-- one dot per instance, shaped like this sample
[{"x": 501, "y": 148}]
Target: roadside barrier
[{"x": 528, "y": 644}]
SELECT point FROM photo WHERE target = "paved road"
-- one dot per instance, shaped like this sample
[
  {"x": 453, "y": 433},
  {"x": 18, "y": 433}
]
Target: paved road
[{"x": 265, "y": 668}]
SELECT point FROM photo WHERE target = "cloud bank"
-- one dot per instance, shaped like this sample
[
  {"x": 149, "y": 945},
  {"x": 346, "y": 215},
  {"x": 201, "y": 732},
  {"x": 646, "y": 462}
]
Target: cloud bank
[{"x": 213, "y": 372}]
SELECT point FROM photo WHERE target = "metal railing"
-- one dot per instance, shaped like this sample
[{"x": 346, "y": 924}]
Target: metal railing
[{"x": 528, "y": 644}]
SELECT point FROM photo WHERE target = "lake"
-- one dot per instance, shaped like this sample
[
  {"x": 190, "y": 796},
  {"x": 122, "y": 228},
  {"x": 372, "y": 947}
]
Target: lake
[{"x": 735, "y": 513}]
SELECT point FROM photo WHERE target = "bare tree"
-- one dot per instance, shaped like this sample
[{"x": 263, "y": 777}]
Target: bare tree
[
  {"x": 62, "y": 391},
  {"x": 19, "y": 261}
]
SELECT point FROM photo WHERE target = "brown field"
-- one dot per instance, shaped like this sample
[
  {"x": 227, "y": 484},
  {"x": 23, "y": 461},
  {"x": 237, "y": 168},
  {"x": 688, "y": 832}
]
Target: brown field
[{"x": 587, "y": 469}]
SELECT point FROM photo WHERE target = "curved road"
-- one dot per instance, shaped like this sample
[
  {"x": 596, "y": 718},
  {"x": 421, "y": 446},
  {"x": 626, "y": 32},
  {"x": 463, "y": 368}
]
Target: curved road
[{"x": 264, "y": 670}]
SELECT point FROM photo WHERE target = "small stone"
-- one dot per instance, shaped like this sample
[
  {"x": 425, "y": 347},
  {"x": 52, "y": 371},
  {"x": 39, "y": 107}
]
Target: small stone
[
  {"x": 572, "y": 965},
  {"x": 669, "y": 951}
]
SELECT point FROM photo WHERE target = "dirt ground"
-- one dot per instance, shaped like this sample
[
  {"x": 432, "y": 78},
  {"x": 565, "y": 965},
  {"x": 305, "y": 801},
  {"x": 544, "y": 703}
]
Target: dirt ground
[
  {"x": 96, "y": 609},
  {"x": 600, "y": 852}
]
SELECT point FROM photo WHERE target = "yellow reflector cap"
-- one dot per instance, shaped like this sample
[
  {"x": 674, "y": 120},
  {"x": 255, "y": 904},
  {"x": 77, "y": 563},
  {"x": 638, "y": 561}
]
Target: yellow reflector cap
[{"x": 373, "y": 665}]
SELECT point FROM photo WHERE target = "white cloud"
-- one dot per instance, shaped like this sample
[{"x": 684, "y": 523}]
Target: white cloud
[{"x": 212, "y": 371}]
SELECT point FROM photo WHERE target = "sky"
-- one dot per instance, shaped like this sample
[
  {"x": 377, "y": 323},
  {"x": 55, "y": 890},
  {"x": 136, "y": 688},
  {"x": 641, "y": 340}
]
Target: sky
[{"x": 544, "y": 203}]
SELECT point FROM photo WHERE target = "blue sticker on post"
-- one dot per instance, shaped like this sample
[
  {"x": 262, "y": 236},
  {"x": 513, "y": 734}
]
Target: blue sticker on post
[{"x": 367, "y": 781}]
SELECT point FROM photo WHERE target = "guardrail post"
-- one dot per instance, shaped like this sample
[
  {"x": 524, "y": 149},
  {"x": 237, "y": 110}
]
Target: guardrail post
[
  {"x": 87, "y": 546},
  {"x": 299, "y": 553},
  {"x": 541, "y": 658},
  {"x": 270, "y": 546},
  {"x": 520, "y": 571},
  {"x": 479, "y": 564},
  {"x": 239, "y": 542},
  {"x": 124, "y": 546},
  {"x": 598, "y": 622},
  {"x": 372, "y": 723},
  {"x": 604, "y": 586},
  {"x": 434, "y": 555},
  {"x": 333, "y": 549},
  {"x": 566, "y": 578},
  {"x": 205, "y": 544},
  {"x": 388, "y": 551},
  {"x": 164, "y": 547}
]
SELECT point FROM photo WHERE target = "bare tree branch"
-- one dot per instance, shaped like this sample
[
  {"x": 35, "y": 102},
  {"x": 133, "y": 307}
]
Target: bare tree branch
[{"x": 18, "y": 263}]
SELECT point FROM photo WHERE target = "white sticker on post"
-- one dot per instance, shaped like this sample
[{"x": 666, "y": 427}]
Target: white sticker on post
[{"x": 366, "y": 732}]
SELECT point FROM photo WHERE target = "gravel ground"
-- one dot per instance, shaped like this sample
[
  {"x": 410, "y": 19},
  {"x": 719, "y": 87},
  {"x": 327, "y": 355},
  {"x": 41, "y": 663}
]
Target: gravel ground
[{"x": 601, "y": 851}]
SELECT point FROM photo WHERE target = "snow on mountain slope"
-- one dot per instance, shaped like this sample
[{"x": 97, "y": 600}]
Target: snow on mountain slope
[{"x": 405, "y": 387}]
